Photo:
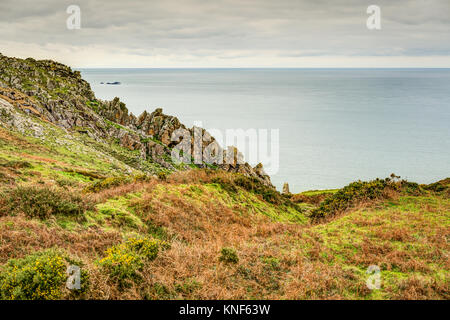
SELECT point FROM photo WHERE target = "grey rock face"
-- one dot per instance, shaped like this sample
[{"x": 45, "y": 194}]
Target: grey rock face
[
  {"x": 56, "y": 94},
  {"x": 286, "y": 188}
]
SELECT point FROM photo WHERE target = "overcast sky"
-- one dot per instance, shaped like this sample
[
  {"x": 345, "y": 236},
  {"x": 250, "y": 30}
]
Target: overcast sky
[{"x": 229, "y": 33}]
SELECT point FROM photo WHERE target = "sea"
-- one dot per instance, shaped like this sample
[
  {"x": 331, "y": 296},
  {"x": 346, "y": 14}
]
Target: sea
[{"x": 334, "y": 126}]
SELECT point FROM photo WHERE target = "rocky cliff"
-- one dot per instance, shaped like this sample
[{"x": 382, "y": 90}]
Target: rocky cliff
[{"x": 54, "y": 93}]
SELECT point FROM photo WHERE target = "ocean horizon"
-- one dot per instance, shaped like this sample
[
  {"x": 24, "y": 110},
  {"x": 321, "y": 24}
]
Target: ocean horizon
[{"x": 336, "y": 125}]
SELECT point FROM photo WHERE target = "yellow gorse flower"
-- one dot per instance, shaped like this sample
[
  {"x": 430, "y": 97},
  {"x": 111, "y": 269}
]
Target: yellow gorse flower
[
  {"x": 126, "y": 259},
  {"x": 39, "y": 276}
]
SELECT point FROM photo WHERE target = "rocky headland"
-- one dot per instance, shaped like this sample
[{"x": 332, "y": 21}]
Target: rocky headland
[{"x": 55, "y": 93}]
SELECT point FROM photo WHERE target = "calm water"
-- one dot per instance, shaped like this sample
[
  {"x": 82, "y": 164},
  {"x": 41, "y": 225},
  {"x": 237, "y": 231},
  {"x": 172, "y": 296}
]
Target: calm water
[{"x": 336, "y": 125}]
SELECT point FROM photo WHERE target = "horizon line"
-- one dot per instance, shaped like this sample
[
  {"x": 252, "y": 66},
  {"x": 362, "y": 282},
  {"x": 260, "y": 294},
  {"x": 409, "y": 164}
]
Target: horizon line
[{"x": 138, "y": 68}]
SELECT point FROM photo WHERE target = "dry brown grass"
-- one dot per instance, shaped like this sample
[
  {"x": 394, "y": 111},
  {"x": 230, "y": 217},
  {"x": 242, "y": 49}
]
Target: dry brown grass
[
  {"x": 121, "y": 190},
  {"x": 191, "y": 221},
  {"x": 19, "y": 237},
  {"x": 276, "y": 260},
  {"x": 18, "y": 141},
  {"x": 417, "y": 288},
  {"x": 196, "y": 176}
]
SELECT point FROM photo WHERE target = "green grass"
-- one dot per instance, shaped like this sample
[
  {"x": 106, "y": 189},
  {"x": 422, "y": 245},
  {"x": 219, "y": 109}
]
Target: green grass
[
  {"x": 117, "y": 212},
  {"x": 245, "y": 200},
  {"x": 405, "y": 226},
  {"x": 316, "y": 192}
]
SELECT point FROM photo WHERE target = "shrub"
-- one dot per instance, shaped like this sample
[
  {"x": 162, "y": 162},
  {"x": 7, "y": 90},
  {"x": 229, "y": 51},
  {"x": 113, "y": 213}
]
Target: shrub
[
  {"x": 436, "y": 187},
  {"x": 145, "y": 247},
  {"x": 252, "y": 185},
  {"x": 121, "y": 263},
  {"x": 352, "y": 194},
  {"x": 228, "y": 255},
  {"x": 142, "y": 178},
  {"x": 40, "y": 276},
  {"x": 228, "y": 186},
  {"x": 188, "y": 286},
  {"x": 411, "y": 188},
  {"x": 272, "y": 263},
  {"x": 16, "y": 164},
  {"x": 64, "y": 183},
  {"x": 42, "y": 202},
  {"x": 162, "y": 175},
  {"x": 125, "y": 260},
  {"x": 439, "y": 186},
  {"x": 107, "y": 183},
  {"x": 156, "y": 231}
]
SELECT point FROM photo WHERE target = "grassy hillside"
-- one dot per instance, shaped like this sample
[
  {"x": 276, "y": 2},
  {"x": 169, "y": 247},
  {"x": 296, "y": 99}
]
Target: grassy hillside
[
  {"x": 210, "y": 234},
  {"x": 83, "y": 183}
]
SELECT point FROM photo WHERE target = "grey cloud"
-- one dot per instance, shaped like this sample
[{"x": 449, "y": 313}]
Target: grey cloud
[{"x": 230, "y": 29}]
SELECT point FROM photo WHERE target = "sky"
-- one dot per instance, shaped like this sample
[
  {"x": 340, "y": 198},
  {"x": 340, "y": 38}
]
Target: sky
[{"x": 228, "y": 33}]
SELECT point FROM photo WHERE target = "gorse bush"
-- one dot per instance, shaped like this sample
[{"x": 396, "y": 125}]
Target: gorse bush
[
  {"x": 354, "y": 193},
  {"x": 42, "y": 202},
  {"x": 228, "y": 255},
  {"x": 253, "y": 185},
  {"x": 162, "y": 175},
  {"x": 40, "y": 276},
  {"x": 411, "y": 188},
  {"x": 439, "y": 187},
  {"x": 124, "y": 261},
  {"x": 148, "y": 248}
]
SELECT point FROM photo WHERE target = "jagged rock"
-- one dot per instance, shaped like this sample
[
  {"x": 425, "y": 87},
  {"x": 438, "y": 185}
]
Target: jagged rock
[
  {"x": 158, "y": 125},
  {"x": 14, "y": 120},
  {"x": 129, "y": 140},
  {"x": 115, "y": 111},
  {"x": 286, "y": 188},
  {"x": 54, "y": 93}
]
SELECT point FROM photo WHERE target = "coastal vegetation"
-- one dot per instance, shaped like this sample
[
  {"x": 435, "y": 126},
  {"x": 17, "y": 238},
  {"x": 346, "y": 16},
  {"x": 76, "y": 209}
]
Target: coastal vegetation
[{"x": 82, "y": 184}]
